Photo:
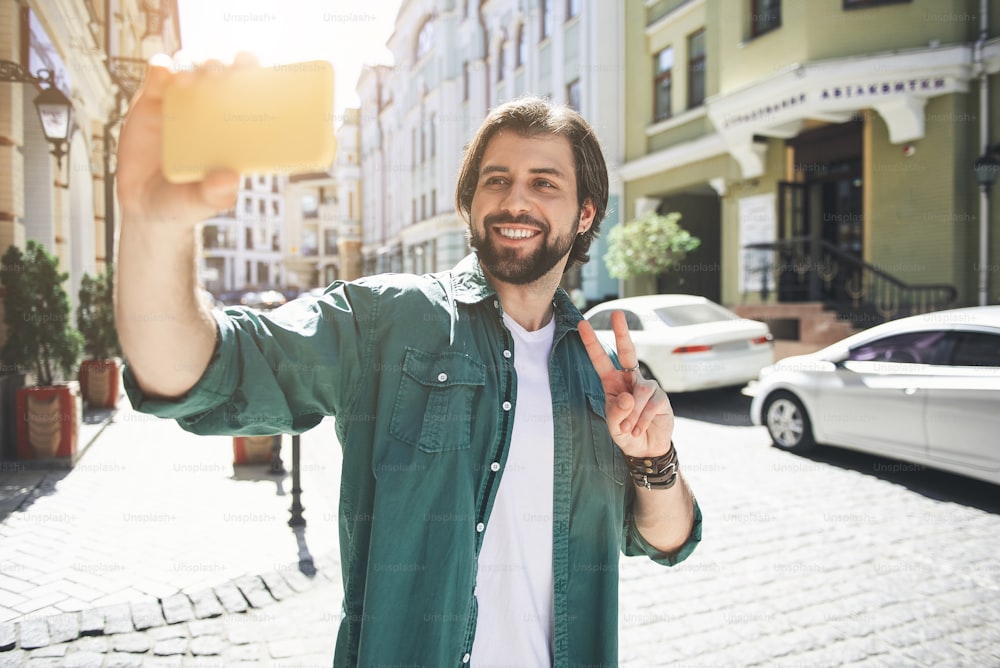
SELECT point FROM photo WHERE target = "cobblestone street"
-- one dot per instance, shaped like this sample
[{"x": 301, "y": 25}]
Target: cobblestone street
[{"x": 804, "y": 562}]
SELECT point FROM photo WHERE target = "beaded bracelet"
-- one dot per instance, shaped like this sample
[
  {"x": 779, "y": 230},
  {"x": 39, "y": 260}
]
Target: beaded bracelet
[{"x": 654, "y": 472}]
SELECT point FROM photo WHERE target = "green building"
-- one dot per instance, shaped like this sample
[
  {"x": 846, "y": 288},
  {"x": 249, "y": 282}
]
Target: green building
[{"x": 823, "y": 151}]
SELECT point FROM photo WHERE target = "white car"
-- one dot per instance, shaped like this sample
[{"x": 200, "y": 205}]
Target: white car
[
  {"x": 923, "y": 389},
  {"x": 688, "y": 343}
]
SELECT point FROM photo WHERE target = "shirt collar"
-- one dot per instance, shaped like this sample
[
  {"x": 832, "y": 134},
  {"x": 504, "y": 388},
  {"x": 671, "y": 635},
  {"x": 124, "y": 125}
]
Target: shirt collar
[{"x": 470, "y": 286}]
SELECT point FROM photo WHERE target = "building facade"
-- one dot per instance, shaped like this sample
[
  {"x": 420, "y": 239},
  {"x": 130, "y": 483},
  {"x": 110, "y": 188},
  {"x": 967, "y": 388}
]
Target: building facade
[
  {"x": 455, "y": 60},
  {"x": 95, "y": 51},
  {"x": 823, "y": 151}
]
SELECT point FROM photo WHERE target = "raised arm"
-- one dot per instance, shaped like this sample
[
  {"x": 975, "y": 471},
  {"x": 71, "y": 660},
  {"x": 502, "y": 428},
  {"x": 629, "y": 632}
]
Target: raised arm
[{"x": 166, "y": 332}]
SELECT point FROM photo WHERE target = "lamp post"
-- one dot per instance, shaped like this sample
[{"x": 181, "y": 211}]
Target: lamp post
[
  {"x": 55, "y": 110},
  {"x": 987, "y": 168}
]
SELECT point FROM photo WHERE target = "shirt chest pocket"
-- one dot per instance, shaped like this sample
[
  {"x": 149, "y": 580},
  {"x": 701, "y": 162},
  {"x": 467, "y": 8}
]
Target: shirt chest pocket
[
  {"x": 609, "y": 457},
  {"x": 433, "y": 407}
]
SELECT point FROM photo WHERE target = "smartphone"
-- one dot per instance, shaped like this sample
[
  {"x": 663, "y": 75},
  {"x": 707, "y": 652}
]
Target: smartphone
[{"x": 276, "y": 119}]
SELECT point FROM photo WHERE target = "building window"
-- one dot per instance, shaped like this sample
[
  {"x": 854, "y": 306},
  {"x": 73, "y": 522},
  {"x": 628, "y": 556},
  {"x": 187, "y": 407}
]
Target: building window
[
  {"x": 765, "y": 16},
  {"x": 664, "y": 65},
  {"x": 431, "y": 130},
  {"x": 696, "y": 69},
  {"x": 573, "y": 94},
  {"x": 861, "y": 4},
  {"x": 424, "y": 40},
  {"x": 546, "y": 17},
  {"x": 423, "y": 207},
  {"x": 434, "y": 196},
  {"x": 465, "y": 81},
  {"x": 413, "y": 147},
  {"x": 572, "y": 9},
  {"x": 501, "y": 60},
  {"x": 423, "y": 144},
  {"x": 522, "y": 47}
]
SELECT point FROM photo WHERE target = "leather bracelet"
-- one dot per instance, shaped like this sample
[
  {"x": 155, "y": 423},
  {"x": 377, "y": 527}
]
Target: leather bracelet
[{"x": 654, "y": 472}]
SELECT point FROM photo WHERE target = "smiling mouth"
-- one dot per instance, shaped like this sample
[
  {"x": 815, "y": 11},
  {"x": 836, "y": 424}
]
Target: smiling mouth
[{"x": 516, "y": 232}]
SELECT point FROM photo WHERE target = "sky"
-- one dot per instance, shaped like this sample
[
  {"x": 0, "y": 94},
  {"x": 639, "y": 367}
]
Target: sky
[{"x": 345, "y": 32}]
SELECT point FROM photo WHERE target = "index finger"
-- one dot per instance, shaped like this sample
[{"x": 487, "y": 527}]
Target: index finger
[
  {"x": 623, "y": 341},
  {"x": 598, "y": 355}
]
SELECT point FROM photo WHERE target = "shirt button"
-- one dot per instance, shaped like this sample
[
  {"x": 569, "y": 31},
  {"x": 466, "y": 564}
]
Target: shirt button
[
  {"x": 495, "y": 466},
  {"x": 496, "y": 304},
  {"x": 442, "y": 377},
  {"x": 506, "y": 405},
  {"x": 506, "y": 354},
  {"x": 480, "y": 527},
  {"x": 465, "y": 659}
]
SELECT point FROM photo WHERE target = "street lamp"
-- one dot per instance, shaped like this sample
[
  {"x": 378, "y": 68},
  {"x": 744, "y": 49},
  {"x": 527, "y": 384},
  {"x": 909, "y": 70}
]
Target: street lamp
[
  {"x": 987, "y": 168},
  {"x": 55, "y": 110}
]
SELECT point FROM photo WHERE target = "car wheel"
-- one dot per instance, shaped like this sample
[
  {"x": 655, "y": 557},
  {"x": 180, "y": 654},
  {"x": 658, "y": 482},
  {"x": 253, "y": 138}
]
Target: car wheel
[
  {"x": 646, "y": 373},
  {"x": 787, "y": 422}
]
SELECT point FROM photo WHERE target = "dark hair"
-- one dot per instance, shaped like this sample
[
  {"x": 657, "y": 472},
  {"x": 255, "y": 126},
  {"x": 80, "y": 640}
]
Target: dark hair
[{"x": 531, "y": 116}]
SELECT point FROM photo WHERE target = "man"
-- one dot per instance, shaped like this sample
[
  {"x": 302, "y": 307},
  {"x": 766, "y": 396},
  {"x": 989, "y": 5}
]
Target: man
[{"x": 489, "y": 442}]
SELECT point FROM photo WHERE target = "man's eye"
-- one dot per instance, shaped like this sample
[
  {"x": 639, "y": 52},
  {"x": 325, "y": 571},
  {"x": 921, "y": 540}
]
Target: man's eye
[
  {"x": 545, "y": 184},
  {"x": 494, "y": 181}
]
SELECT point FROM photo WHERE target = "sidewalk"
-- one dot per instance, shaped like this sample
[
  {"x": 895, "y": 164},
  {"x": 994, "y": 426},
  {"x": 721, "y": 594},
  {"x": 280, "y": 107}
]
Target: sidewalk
[{"x": 154, "y": 528}]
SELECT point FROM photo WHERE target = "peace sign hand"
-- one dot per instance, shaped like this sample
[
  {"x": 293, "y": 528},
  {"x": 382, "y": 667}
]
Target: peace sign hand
[{"x": 639, "y": 415}]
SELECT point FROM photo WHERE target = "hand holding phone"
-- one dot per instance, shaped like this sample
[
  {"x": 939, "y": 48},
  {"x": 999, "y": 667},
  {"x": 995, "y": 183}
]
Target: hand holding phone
[{"x": 275, "y": 119}]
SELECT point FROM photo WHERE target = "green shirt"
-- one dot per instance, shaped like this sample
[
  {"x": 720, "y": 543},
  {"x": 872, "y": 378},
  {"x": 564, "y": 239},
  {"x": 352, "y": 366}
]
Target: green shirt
[{"x": 419, "y": 373}]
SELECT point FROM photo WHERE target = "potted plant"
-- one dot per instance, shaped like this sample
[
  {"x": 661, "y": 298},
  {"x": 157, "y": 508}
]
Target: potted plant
[
  {"x": 100, "y": 373},
  {"x": 42, "y": 341}
]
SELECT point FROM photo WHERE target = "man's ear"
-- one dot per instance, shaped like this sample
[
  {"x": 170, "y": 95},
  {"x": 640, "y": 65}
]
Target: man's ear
[{"x": 587, "y": 213}]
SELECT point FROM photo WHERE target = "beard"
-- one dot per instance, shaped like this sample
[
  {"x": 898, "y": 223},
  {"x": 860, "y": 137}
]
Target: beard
[{"x": 516, "y": 266}]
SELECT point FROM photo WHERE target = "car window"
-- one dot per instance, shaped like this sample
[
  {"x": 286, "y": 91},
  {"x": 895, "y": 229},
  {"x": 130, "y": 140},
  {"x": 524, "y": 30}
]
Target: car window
[
  {"x": 633, "y": 321},
  {"x": 975, "y": 349},
  {"x": 601, "y": 320},
  {"x": 909, "y": 348},
  {"x": 694, "y": 314}
]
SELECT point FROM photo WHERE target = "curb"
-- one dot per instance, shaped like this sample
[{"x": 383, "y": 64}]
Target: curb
[{"x": 238, "y": 596}]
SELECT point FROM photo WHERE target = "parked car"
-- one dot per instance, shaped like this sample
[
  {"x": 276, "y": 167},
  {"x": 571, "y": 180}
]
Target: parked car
[
  {"x": 923, "y": 389},
  {"x": 264, "y": 300},
  {"x": 687, "y": 342}
]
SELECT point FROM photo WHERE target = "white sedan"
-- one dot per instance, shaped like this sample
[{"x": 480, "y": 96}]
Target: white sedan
[
  {"x": 923, "y": 389},
  {"x": 686, "y": 342}
]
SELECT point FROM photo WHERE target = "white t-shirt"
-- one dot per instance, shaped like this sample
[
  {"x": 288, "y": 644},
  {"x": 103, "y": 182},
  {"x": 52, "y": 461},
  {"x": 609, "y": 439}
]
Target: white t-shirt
[{"x": 514, "y": 581}]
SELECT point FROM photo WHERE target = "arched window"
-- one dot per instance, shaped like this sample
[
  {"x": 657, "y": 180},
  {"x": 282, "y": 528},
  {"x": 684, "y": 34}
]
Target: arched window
[
  {"x": 424, "y": 39},
  {"x": 501, "y": 60}
]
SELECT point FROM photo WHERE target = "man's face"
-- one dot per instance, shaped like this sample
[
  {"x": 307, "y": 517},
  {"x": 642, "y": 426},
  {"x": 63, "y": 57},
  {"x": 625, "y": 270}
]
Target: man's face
[{"x": 524, "y": 214}]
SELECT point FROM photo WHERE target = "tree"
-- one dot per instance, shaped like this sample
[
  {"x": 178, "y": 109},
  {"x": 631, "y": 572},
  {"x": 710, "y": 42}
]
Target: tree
[
  {"x": 653, "y": 244},
  {"x": 40, "y": 336}
]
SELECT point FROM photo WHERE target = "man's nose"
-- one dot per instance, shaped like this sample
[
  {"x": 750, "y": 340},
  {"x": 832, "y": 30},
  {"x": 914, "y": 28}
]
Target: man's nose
[{"x": 516, "y": 201}]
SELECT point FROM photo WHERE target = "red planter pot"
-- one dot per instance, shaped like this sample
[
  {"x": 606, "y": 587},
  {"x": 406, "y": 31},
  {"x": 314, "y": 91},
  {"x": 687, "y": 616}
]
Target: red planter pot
[
  {"x": 100, "y": 382},
  {"x": 48, "y": 421},
  {"x": 252, "y": 449}
]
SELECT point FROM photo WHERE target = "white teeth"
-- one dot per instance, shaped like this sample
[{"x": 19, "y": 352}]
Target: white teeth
[{"x": 516, "y": 234}]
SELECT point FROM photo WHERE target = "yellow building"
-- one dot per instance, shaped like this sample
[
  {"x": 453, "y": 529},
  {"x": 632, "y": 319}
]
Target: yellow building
[{"x": 822, "y": 150}]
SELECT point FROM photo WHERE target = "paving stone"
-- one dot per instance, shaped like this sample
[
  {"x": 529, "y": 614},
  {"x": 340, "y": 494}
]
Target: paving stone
[
  {"x": 34, "y": 634},
  {"x": 91, "y": 622},
  {"x": 132, "y": 643},
  {"x": 211, "y": 645},
  {"x": 93, "y": 644},
  {"x": 64, "y": 627},
  {"x": 50, "y": 651},
  {"x": 13, "y": 659},
  {"x": 206, "y": 604},
  {"x": 83, "y": 660},
  {"x": 8, "y": 636},
  {"x": 177, "y": 608},
  {"x": 118, "y": 619},
  {"x": 254, "y": 591},
  {"x": 231, "y": 598},
  {"x": 117, "y": 660},
  {"x": 244, "y": 653},
  {"x": 172, "y": 631},
  {"x": 147, "y": 614},
  {"x": 277, "y": 586},
  {"x": 297, "y": 580},
  {"x": 170, "y": 646},
  {"x": 206, "y": 627}
]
